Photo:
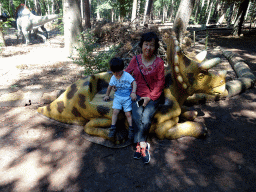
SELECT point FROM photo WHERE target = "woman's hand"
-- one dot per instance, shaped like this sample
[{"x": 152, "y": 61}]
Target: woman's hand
[
  {"x": 146, "y": 101},
  {"x": 133, "y": 96}
]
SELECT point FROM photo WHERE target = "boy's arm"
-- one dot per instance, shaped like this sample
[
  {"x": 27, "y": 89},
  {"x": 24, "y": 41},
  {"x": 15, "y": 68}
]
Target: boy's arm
[{"x": 134, "y": 88}]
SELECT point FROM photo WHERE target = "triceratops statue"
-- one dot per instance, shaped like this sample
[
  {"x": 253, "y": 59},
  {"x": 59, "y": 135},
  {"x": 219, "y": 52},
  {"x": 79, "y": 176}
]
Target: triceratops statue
[{"x": 82, "y": 102}]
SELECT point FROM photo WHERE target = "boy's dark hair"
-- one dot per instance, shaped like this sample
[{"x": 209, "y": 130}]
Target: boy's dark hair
[
  {"x": 116, "y": 64},
  {"x": 148, "y": 37}
]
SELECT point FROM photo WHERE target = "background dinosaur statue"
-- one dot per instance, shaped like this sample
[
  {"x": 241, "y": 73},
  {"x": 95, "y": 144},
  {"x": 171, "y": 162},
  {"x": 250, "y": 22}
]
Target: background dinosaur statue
[
  {"x": 82, "y": 102},
  {"x": 27, "y": 21}
]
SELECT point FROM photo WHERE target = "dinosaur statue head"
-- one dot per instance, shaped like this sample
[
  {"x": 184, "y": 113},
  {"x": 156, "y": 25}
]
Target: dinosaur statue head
[
  {"x": 197, "y": 76},
  {"x": 193, "y": 75},
  {"x": 21, "y": 10}
]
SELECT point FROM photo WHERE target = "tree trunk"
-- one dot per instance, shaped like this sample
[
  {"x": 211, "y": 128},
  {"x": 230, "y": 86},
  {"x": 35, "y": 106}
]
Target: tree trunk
[
  {"x": 231, "y": 7},
  {"x": 198, "y": 9},
  {"x": 240, "y": 18},
  {"x": 148, "y": 7},
  {"x": 145, "y": 11},
  {"x": 87, "y": 14},
  {"x": 82, "y": 8},
  {"x": 48, "y": 8},
  {"x": 171, "y": 10},
  {"x": 209, "y": 13},
  {"x": 12, "y": 8},
  {"x": 217, "y": 11},
  {"x": 134, "y": 10},
  {"x": 53, "y": 4},
  {"x": 138, "y": 9},
  {"x": 182, "y": 18},
  {"x": 37, "y": 7},
  {"x": 98, "y": 12},
  {"x": 2, "y": 41},
  {"x": 122, "y": 10},
  {"x": 72, "y": 24},
  {"x": 245, "y": 17},
  {"x": 112, "y": 15}
]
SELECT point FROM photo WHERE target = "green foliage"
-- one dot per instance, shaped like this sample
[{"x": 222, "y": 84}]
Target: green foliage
[
  {"x": 59, "y": 23},
  {"x": 93, "y": 62},
  {"x": 192, "y": 20},
  {"x": 7, "y": 24}
]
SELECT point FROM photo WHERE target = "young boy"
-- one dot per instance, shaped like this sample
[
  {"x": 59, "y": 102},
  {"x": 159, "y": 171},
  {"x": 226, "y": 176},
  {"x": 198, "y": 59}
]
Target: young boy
[{"x": 125, "y": 87}]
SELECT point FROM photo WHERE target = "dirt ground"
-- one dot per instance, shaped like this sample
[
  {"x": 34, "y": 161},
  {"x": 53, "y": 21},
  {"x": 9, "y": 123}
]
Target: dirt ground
[{"x": 38, "y": 154}]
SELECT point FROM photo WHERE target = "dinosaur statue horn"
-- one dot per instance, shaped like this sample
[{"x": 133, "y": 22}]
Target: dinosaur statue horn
[
  {"x": 222, "y": 72},
  {"x": 209, "y": 63},
  {"x": 201, "y": 56}
]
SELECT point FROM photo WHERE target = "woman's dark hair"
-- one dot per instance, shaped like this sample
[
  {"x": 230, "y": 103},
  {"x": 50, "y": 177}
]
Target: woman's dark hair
[
  {"x": 148, "y": 37},
  {"x": 116, "y": 64}
]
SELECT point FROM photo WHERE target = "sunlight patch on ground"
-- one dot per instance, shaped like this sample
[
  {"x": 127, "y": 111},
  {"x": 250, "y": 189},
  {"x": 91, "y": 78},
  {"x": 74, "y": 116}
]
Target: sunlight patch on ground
[
  {"x": 32, "y": 150},
  {"x": 30, "y": 171}
]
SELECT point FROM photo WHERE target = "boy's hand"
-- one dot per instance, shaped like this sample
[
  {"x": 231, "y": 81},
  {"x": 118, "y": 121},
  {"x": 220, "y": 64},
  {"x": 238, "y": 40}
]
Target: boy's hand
[
  {"x": 106, "y": 98},
  {"x": 133, "y": 96},
  {"x": 114, "y": 88}
]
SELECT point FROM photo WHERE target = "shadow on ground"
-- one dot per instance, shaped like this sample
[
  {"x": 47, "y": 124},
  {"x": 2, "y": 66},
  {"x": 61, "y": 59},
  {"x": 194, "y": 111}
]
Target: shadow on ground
[{"x": 39, "y": 154}]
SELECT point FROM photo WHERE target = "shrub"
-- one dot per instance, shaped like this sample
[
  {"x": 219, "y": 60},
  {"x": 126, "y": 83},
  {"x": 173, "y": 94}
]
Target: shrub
[{"x": 93, "y": 61}]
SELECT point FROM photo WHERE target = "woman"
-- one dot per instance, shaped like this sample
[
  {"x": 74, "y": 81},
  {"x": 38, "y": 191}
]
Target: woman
[{"x": 148, "y": 71}]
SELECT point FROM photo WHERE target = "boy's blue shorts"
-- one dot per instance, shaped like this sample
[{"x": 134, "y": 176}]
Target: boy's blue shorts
[{"x": 122, "y": 102}]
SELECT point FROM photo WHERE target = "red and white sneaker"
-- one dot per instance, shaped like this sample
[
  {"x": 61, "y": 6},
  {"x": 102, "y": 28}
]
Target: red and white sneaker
[
  {"x": 137, "y": 154},
  {"x": 145, "y": 154}
]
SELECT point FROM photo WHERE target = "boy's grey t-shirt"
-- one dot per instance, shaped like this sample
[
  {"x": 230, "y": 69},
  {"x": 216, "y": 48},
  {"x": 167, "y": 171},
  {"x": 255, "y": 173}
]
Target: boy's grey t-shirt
[{"x": 123, "y": 85}]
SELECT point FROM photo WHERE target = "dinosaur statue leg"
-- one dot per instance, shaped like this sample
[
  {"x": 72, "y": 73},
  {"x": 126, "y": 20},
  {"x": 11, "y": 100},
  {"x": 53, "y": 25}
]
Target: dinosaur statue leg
[
  {"x": 187, "y": 128},
  {"x": 26, "y": 35},
  {"x": 43, "y": 35},
  {"x": 188, "y": 114},
  {"x": 40, "y": 34},
  {"x": 45, "y": 31},
  {"x": 98, "y": 127},
  {"x": 163, "y": 128},
  {"x": 19, "y": 33}
]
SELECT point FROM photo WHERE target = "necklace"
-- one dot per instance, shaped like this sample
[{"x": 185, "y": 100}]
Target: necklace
[{"x": 148, "y": 62}]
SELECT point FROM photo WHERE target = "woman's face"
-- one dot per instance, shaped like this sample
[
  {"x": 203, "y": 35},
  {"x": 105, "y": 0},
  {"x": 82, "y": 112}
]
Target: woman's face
[{"x": 148, "y": 48}]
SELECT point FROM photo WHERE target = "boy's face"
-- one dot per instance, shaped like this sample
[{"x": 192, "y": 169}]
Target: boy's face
[{"x": 118, "y": 74}]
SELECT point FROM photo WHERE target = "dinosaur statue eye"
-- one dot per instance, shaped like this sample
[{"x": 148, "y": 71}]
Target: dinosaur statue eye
[{"x": 200, "y": 76}]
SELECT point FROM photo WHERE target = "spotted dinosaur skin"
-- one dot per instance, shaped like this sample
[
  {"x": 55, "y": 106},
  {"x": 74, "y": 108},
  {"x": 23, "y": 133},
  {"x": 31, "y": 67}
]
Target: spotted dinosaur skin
[
  {"x": 83, "y": 103},
  {"x": 27, "y": 21}
]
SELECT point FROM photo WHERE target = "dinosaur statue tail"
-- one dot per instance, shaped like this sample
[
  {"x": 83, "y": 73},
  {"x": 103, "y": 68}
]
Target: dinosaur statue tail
[{"x": 41, "y": 20}]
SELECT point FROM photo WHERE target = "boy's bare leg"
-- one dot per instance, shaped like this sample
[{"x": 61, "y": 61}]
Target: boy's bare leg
[
  {"x": 112, "y": 130},
  {"x": 129, "y": 117},
  {"x": 114, "y": 116}
]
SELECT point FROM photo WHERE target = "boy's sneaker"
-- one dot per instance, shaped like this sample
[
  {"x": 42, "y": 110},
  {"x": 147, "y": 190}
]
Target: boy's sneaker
[
  {"x": 137, "y": 154},
  {"x": 112, "y": 131},
  {"x": 145, "y": 154},
  {"x": 130, "y": 134}
]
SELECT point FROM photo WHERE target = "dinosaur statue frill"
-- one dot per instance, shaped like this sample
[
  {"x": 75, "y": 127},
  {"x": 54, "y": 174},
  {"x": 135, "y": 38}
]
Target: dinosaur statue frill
[
  {"x": 27, "y": 21},
  {"x": 82, "y": 102}
]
